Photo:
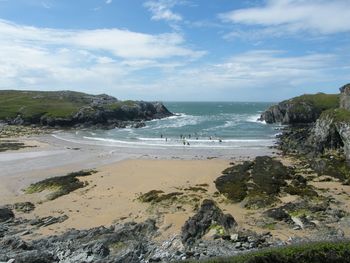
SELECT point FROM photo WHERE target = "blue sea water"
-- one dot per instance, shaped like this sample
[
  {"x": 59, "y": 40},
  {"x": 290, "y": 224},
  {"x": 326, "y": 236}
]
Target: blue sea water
[{"x": 201, "y": 125}]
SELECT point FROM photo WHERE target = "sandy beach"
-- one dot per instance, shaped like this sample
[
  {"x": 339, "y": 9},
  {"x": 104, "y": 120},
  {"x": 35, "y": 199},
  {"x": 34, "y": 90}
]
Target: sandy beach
[
  {"x": 111, "y": 194},
  {"x": 123, "y": 174}
]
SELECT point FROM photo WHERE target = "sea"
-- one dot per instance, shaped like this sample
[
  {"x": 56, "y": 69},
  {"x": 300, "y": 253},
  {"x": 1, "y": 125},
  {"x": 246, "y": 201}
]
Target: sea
[{"x": 214, "y": 125}]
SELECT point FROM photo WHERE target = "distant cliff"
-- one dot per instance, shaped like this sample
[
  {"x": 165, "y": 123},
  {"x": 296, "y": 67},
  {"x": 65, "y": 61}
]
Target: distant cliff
[
  {"x": 300, "y": 110},
  {"x": 75, "y": 109}
]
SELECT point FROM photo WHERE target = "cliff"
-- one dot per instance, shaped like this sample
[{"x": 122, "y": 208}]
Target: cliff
[
  {"x": 300, "y": 110},
  {"x": 73, "y": 109}
]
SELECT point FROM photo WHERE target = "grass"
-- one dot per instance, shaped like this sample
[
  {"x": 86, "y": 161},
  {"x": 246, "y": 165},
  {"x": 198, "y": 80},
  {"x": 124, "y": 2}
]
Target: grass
[
  {"x": 330, "y": 252},
  {"x": 338, "y": 115},
  {"x": 32, "y": 105},
  {"x": 320, "y": 101},
  {"x": 61, "y": 185}
]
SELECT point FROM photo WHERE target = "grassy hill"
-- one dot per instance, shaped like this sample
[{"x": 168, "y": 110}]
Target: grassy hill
[{"x": 68, "y": 108}]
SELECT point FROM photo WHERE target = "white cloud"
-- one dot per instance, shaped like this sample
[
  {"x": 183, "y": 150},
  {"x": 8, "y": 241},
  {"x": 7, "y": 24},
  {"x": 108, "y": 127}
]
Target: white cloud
[
  {"x": 161, "y": 10},
  {"x": 121, "y": 43},
  {"x": 255, "y": 75},
  {"x": 44, "y": 58},
  {"x": 109, "y": 2},
  {"x": 316, "y": 16}
]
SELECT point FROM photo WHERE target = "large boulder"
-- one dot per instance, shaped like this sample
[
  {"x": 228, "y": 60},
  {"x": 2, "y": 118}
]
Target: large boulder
[
  {"x": 6, "y": 214},
  {"x": 209, "y": 215}
]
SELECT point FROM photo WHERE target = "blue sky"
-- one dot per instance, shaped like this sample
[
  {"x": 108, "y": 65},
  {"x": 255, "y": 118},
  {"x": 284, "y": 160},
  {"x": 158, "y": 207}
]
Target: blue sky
[{"x": 249, "y": 50}]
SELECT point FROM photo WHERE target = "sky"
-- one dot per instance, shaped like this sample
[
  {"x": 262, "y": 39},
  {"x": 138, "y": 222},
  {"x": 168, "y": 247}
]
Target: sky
[{"x": 176, "y": 50}]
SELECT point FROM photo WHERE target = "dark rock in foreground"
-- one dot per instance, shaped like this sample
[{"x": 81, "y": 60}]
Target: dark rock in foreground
[
  {"x": 256, "y": 183},
  {"x": 6, "y": 214},
  {"x": 209, "y": 215}
]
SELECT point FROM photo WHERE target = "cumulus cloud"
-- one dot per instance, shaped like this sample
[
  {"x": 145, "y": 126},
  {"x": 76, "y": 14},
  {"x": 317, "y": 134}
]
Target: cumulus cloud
[
  {"x": 32, "y": 57},
  {"x": 161, "y": 10},
  {"x": 316, "y": 16}
]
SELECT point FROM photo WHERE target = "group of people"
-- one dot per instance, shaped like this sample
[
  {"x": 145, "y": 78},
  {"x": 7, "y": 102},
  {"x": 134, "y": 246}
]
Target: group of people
[{"x": 184, "y": 139}]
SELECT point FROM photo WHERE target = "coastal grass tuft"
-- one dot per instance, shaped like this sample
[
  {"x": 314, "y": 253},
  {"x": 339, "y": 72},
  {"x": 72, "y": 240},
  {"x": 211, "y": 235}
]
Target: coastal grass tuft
[
  {"x": 320, "y": 101},
  {"x": 330, "y": 252},
  {"x": 338, "y": 115},
  {"x": 60, "y": 185}
]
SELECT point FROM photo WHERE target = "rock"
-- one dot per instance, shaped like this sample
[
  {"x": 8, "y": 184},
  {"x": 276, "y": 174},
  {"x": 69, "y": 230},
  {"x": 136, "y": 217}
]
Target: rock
[
  {"x": 49, "y": 220},
  {"x": 254, "y": 183},
  {"x": 233, "y": 182},
  {"x": 303, "y": 109},
  {"x": 345, "y": 97},
  {"x": 25, "y": 207},
  {"x": 129, "y": 242},
  {"x": 84, "y": 110},
  {"x": 209, "y": 215},
  {"x": 278, "y": 214},
  {"x": 6, "y": 214}
]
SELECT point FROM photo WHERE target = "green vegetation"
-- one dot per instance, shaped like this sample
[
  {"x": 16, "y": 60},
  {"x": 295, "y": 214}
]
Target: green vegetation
[
  {"x": 157, "y": 196},
  {"x": 119, "y": 104},
  {"x": 33, "y": 104},
  {"x": 338, "y": 115},
  {"x": 330, "y": 252},
  {"x": 320, "y": 101},
  {"x": 60, "y": 185},
  {"x": 256, "y": 183}
]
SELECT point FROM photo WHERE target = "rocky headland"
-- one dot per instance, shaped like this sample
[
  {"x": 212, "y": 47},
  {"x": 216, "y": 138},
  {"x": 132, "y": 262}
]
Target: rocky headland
[{"x": 68, "y": 109}]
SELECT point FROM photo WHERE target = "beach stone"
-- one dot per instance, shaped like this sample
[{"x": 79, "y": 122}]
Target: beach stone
[
  {"x": 278, "y": 214},
  {"x": 209, "y": 215},
  {"x": 25, "y": 207},
  {"x": 6, "y": 214}
]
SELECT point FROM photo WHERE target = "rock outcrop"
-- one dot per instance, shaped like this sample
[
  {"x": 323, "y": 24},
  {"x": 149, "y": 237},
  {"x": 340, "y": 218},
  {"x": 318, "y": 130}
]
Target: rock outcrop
[
  {"x": 345, "y": 97},
  {"x": 300, "y": 110},
  {"x": 208, "y": 216},
  {"x": 254, "y": 183},
  {"x": 6, "y": 214},
  {"x": 74, "y": 109}
]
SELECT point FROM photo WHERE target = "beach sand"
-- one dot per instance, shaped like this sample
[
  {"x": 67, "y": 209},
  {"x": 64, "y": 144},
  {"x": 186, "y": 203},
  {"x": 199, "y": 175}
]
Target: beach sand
[{"x": 111, "y": 195}]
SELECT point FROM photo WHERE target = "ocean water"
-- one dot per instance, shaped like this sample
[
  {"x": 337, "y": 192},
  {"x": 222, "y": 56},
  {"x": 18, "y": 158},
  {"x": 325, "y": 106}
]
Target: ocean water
[{"x": 197, "y": 125}]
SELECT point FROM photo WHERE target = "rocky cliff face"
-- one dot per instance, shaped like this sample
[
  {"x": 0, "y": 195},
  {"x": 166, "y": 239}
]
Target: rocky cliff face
[
  {"x": 304, "y": 109},
  {"x": 289, "y": 112},
  {"x": 73, "y": 109},
  {"x": 345, "y": 97}
]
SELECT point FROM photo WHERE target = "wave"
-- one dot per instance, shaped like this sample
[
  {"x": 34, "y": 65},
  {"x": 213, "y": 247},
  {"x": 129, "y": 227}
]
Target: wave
[{"x": 156, "y": 143}]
